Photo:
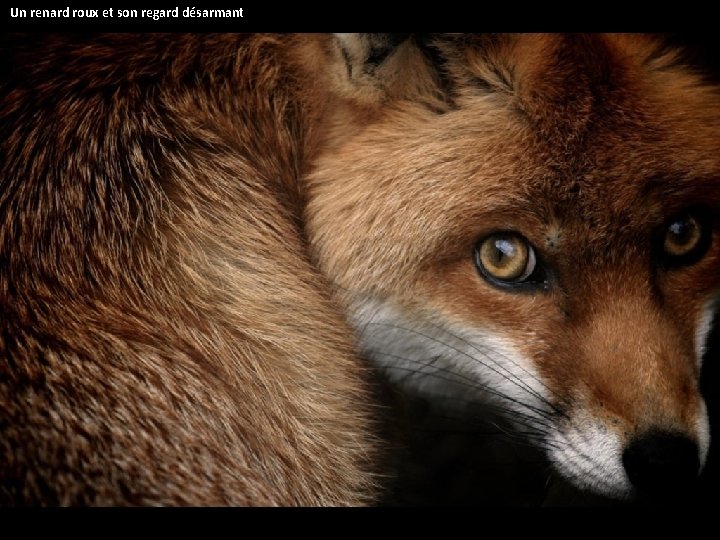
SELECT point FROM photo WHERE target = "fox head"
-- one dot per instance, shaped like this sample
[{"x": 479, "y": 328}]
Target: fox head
[{"x": 532, "y": 221}]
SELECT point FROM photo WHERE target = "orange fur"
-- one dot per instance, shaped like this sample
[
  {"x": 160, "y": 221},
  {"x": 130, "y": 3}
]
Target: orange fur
[{"x": 186, "y": 223}]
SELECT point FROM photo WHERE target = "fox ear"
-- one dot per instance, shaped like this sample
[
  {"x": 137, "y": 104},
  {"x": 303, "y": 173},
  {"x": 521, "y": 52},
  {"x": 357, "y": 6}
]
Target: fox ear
[
  {"x": 376, "y": 68},
  {"x": 364, "y": 54}
]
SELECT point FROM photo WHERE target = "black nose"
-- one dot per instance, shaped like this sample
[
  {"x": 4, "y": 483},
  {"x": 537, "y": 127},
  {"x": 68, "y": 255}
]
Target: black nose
[{"x": 662, "y": 464}]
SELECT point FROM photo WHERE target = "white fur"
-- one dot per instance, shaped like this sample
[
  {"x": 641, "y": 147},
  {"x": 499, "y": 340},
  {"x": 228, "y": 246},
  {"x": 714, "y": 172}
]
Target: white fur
[
  {"x": 471, "y": 364},
  {"x": 465, "y": 365},
  {"x": 456, "y": 363},
  {"x": 704, "y": 325},
  {"x": 703, "y": 328},
  {"x": 488, "y": 365},
  {"x": 703, "y": 433},
  {"x": 590, "y": 455}
]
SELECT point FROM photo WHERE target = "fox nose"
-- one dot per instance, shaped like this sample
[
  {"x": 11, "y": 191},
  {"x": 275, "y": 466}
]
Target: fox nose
[{"x": 662, "y": 464}]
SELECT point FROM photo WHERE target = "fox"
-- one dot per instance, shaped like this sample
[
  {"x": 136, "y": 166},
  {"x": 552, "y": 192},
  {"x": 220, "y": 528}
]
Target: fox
[{"x": 216, "y": 248}]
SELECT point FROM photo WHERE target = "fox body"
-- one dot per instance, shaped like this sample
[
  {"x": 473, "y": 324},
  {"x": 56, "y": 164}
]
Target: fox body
[{"x": 204, "y": 239}]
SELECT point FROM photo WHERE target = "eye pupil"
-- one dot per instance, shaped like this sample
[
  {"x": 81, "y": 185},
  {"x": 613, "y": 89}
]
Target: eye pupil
[
  {"x": 505, "y": 252},
  {"x": 681, "y": 231}
]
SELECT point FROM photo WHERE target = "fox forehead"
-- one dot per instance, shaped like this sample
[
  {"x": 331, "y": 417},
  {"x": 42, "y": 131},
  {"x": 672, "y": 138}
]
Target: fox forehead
[
  {"x": 606, "y": 115},
  {"x": 572, "y": 89},
  {"x": 583, "y": 128},
  {"x": 591, "y": 115},
  {"x": 590, "y": 141}
]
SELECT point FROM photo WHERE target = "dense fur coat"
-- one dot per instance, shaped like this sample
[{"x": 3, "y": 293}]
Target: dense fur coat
[
  {"x": 165, "y": 338},
  {"x": 196, "y": 231}
]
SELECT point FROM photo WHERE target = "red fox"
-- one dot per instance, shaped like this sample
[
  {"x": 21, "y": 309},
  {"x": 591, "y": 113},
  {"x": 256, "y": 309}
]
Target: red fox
[{"x": 207, "y": 242}]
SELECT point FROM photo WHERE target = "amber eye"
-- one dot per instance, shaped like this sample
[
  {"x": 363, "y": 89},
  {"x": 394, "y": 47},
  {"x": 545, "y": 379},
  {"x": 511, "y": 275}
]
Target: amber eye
[
  {"x": 685, "y": 239},
  {"x": 505, "y": 257},
  {"x": 682, "y": 236}
]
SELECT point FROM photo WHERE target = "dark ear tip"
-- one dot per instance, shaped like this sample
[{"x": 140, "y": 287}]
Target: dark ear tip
[
  {"x": 370, "y": 49},
  {"x": 371, "y": 64},
  {"x": 396, "y": 39},
  {"x": 383, "y": 46}
]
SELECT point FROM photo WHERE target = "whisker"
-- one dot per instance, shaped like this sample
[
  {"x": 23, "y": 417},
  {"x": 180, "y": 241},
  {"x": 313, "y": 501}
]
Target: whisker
[
  {"x": 535, "y": 420},
  {"x": 510, "y": 378},
  {"x": 535, "y": 431},
  {"x": 459, "y": 379},
  {"x": 467, "y": 342},
  {"x": 507, "y": 375}
]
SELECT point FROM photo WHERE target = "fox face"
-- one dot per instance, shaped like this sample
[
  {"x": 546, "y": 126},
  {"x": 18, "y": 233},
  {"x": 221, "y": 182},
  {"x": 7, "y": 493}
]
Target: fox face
[{"x": 532, "y": 222}]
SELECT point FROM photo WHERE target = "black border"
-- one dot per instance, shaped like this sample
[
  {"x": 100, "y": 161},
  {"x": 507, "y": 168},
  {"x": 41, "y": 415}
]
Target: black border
[{"x": 266, "y": 16}]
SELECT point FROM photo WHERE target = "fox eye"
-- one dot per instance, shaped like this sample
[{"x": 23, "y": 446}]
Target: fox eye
[
  {"x": 682, "y": 236},
  {"x": 686, "y": 238},
  {"x": 506, "y": 258}
]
